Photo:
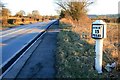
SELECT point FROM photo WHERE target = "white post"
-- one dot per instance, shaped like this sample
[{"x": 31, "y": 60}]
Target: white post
[
  {"x": 99, "y": 53},
  {"x": 99, "y": 33}
]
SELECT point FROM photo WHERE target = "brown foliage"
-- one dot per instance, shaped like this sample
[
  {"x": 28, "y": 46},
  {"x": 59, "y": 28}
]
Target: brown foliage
[
  {"x": 73, "y": 10},
  {"x": 5, "y": 15},
  {"x": 83, "y": 25},
  {"x": 4, "y": 22}
]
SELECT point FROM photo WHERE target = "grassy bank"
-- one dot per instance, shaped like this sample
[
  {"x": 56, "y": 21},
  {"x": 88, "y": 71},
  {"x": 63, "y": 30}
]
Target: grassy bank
[
  {"x": 11, "y": 25},
  {"x": 75, "y": 56},
  {"x": 8, "y": 26}
]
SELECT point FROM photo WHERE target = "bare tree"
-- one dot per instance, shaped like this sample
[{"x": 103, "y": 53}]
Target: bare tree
[
  {"x": 29, "y": 15},
  {"x": 35, "y": 14},
  {"x": 75, "y": 12},
  {"x": 5, "y": 14},
  {"x": 1, "y": 6},
  {"x": 21, "y": 13},
  {"x": 73, "y": 9}
]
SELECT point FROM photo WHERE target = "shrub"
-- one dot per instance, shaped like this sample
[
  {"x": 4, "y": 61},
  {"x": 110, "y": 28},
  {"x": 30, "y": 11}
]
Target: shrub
[{"x": 11, "y": 21}]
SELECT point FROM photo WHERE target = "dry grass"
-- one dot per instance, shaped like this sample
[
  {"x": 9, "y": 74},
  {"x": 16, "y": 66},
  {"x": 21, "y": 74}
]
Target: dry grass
[{"x": 75, "y": 54}]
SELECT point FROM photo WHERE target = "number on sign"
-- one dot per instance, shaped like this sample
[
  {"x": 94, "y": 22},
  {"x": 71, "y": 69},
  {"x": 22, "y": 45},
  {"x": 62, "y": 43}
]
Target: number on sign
[{"x": 97, "y": 31}]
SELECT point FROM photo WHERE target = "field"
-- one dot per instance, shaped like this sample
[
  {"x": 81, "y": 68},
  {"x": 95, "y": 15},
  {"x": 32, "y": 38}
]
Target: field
[{"x": 75, "y": 53}]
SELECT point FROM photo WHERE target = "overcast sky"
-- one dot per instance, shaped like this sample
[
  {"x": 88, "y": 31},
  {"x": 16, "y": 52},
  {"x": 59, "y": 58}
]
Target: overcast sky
[
  {"x": 48, "y": 7},
  {"x": 104, "y": 7}
]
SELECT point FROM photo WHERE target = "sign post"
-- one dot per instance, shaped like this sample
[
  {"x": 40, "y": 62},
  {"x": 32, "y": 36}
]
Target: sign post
[{"x": 98, "y": 33}]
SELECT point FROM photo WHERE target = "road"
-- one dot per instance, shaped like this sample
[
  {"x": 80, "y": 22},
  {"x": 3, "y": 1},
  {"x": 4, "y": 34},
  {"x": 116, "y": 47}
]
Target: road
[
  {"x": 13, "y": 40},
  {"x": 39, "y": 61}
]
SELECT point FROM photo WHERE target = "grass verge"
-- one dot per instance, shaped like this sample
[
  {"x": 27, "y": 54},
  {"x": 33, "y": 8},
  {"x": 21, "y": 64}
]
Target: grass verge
[{"x": 75, "y": 56}]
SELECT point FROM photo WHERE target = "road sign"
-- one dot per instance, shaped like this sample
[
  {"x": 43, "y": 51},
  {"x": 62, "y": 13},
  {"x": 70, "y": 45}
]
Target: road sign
[{"x": 98, "y": 33}]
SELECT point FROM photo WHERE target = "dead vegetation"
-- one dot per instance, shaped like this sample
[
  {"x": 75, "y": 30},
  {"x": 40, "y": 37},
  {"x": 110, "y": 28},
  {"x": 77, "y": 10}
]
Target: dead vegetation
[{"x": 81, "y": 48}]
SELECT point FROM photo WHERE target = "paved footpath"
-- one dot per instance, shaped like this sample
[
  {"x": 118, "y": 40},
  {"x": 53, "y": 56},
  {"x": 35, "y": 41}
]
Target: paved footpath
[{"x": 41, "y": 64}]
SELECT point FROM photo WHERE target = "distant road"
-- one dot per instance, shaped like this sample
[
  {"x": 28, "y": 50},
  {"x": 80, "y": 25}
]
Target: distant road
[{"x": 14, "y": 39}]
